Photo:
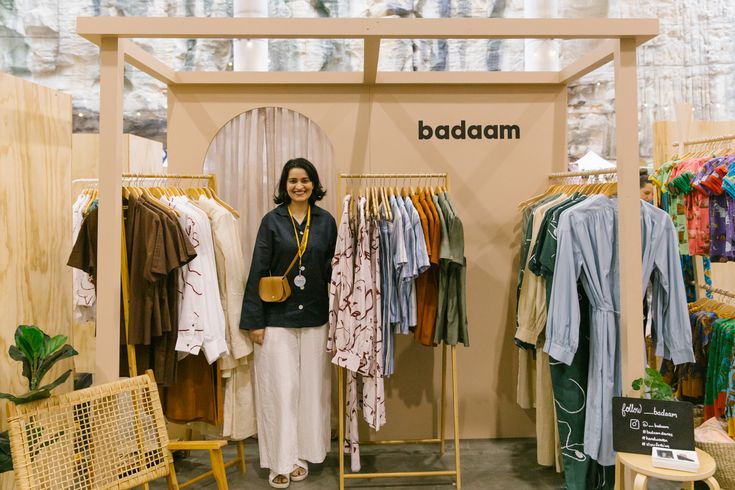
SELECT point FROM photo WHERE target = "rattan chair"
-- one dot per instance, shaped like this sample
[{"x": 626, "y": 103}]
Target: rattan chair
[{"x": 108, "y": 436}]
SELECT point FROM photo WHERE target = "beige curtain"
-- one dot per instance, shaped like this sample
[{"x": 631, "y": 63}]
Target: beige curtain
[{"x": 247, "y": 156}]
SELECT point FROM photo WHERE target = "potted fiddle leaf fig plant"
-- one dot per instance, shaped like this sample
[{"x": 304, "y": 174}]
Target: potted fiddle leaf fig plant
[{"x": 38, "y": 352}]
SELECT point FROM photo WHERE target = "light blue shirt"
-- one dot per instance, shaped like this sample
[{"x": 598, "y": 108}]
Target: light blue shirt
[
  {"x": 386, "y": 278},
  {"x": 587, "y": 249},
  {"x": 418, "y": 260},
  {"x": 399, "y": 257},
  {"x": 408, "y": 272}
]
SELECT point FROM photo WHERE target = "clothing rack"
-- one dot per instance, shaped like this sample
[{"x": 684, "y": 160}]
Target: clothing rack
[
  {"x": 456, "y": 472},
  {"x": 583, "y": 173},
  {"x": 723, "y": 292},
  {"x": 218, "y": 471},
  {"x": 702, "y": 141}
]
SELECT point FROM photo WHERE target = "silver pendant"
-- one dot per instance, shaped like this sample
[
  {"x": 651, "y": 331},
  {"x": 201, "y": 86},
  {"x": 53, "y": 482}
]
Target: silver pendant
[
  {"x": 302, "y": 268},
  {"x": 299, "y": 281}
]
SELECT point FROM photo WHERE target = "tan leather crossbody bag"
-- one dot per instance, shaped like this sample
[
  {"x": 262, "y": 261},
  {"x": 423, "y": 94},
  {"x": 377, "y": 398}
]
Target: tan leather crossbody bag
[{"x": 275, "y": 289}]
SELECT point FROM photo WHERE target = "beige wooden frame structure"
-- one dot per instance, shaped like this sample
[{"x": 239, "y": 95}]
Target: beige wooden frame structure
[
  {"x": 112, "y": 34},
  {"x": 620, "y": 38}
]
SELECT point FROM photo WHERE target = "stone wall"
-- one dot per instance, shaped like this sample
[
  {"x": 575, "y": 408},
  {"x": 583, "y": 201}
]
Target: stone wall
[{"x": 692, "y": 60}]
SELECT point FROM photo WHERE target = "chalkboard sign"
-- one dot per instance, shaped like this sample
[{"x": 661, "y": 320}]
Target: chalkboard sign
[{"x": 640, "y": 424}]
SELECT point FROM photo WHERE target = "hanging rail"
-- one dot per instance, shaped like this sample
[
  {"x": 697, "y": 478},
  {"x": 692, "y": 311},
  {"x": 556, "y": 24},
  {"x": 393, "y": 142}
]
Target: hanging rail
[
  {"x": 585, "y": 173},
  {"x": 456, "y": 472},
  {"x": 395, "y": 176},
  {"x": 149, "y": 176},
  {"x": 702, "y": 141},
  {"x": 723, "y": 292}
]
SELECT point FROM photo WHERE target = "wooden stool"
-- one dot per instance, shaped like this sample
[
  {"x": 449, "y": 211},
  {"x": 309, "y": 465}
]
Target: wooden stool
[{"x": 642, "y": 468}]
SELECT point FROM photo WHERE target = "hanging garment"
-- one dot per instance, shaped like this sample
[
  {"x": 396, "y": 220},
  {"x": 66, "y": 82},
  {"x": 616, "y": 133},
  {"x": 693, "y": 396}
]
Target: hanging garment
[
  {"x": 157, "y": 248},
  {"x": 541, "y": 263},
  {"x": 581, "y": 472},
  {"x": 239, "y": 404},
  {"x": 83, "y": 291},
  {"x": 399, "y": 260},
  {"x": 452, "y": 328},
  {"x": 531, "y": 318},
  {"x": 365, "y": 383},
  {"x": 373, "y": 390},
  {"x": 202, "y": 320},
  {"x": 587, "y": 250},
  {"x": 427, "y": 284},
  {"x": 387, "y": 287},
  {"x": 409, "y": 272},
  {"x": 420, "y": 256},
  {"x": 341, "y": 325}
]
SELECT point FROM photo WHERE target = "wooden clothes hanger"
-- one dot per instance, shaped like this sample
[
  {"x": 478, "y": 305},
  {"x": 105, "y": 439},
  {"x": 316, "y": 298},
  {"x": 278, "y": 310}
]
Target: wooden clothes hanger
[{"x": 157, "y": 203}]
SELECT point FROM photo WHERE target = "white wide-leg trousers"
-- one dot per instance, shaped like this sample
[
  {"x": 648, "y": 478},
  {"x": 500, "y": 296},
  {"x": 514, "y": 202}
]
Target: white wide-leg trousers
[{"x": 292, "y": 397}]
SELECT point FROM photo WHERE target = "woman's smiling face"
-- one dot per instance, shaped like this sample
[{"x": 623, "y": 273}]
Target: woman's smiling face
[{"x": 298, "y": 185}]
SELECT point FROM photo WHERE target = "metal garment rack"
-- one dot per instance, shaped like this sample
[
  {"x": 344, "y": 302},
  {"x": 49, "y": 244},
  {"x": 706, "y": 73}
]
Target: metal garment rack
[
  {"x": 133, "y": 179},
  {"x": 456, "y": 472}
]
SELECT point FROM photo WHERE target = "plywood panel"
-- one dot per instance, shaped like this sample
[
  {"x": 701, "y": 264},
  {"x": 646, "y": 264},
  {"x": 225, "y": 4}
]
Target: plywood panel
[
  {"x": 35, "y": 176},
  {"x": 143, "y": 155},
  {"x": 378, "y": 132}
]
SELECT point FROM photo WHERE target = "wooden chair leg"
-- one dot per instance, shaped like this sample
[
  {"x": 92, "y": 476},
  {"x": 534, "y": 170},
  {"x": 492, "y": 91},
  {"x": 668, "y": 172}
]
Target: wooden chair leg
[
  {"x": 688, "y": 485},
  {"x": 145, "y": 486},
  {"x": 173, "y": 484},
  {"x": 712, "y": 483},
  {"x": 640, "y": 482},
  {"x": 218, "y": 468},
  {"x": 241, "y": 456}
]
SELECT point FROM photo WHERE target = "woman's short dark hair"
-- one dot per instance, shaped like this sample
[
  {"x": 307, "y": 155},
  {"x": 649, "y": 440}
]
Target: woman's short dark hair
[{"x": 282, "y": 197}]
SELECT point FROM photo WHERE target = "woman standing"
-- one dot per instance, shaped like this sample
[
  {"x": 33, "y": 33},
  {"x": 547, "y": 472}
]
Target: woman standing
[{"x": 292, "y": 379}]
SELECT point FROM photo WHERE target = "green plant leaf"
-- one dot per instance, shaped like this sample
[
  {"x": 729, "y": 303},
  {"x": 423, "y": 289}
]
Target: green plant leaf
[
  {"x": 24, "y": 345},
  {"x": 17, "y": 355},
  {"x": 637, "y": 383},
  {"x": 34, "y": 335},
  {"x": 56, "y": 383},
  {"x": 55, "y": 343},
  {"x": 31, "y": 396},
  {"x": 6, "y": 461},
  {"x": 49, "y": 362}
]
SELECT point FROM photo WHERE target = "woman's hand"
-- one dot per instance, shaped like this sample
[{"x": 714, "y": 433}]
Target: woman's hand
[{"x": 257, "y": 336}]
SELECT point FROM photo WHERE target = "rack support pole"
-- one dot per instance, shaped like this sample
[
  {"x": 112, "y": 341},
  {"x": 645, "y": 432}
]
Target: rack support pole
[{"x": 110, "y": 211}]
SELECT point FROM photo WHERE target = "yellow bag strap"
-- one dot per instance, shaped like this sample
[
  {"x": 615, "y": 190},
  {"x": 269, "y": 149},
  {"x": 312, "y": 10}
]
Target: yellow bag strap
[{"x": 293, "y": 262}]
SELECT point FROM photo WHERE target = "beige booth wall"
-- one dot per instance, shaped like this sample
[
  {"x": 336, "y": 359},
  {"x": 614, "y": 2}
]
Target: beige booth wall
[
  {"x": 374, "y": 129},
  {"x": 35, "y": 177},
  {"x": 140, "y": 155}
]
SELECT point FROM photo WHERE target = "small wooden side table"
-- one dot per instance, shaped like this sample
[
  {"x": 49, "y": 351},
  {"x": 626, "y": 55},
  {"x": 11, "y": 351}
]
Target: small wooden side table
[{"x": 642, "y": 468}]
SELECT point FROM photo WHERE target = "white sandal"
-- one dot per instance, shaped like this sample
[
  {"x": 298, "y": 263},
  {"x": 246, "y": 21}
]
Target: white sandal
[
  {"x": 272, "y": 480},
  {"x": 299, "y": 477}
]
